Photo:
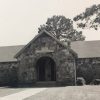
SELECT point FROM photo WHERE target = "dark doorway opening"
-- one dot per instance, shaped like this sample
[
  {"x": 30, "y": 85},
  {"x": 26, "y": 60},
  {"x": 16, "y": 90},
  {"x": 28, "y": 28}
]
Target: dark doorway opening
[{"x": 46, "y": 70}]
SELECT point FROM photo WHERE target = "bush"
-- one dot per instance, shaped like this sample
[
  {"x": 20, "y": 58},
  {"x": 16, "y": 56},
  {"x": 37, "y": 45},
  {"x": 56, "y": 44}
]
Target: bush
[
  {"x": 96, "y": 82},
  {"x": 80, "y": 81}
]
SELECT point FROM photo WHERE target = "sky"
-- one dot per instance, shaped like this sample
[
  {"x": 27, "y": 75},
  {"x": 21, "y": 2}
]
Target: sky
[{"x": 20, "y": 19}]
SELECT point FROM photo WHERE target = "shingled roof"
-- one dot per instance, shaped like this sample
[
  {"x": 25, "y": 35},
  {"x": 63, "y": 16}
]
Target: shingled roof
[
  {"x": 84, "y": 49},
  {"x": 7, "y": 53}
]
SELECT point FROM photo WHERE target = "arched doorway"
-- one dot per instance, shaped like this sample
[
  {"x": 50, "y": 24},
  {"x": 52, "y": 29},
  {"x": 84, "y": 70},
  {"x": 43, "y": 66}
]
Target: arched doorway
[{"x": 46, "y": 69}]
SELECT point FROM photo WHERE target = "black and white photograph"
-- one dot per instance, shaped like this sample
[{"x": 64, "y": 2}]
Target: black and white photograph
[{"x": 49, "y": 49}]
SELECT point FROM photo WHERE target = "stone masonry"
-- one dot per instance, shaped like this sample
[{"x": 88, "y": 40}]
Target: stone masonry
[{"x": 46, "y": 46}]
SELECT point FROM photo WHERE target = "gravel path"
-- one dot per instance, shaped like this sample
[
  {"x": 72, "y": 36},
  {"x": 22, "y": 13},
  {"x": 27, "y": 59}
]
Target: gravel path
[{"x": 69, "y": 93}]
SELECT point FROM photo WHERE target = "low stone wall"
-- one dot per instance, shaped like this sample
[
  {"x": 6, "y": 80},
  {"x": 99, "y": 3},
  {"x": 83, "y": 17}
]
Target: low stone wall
[
  {"x": 89, "y": 68},
  {"x": 8, "y": 73}
]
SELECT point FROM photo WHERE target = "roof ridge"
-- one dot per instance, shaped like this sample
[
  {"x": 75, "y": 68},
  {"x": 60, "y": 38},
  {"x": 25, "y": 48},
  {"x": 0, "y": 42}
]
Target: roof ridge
[
  {"x": 88, "y": 41},
  {"x": 46, "y": 32},
  {"x": 11, "y": 46}
]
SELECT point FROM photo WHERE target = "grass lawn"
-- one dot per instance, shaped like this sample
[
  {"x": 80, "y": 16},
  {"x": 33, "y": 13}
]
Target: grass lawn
[{"x": 68, "y": 93}]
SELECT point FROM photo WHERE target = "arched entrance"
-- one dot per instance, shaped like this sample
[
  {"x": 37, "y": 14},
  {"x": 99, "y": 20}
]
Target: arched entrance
[{"x": 46, "y": 70}]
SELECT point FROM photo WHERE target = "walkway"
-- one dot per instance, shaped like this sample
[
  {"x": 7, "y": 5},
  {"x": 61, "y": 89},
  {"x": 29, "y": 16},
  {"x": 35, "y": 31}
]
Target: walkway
[{"x": 23, "y": 94}]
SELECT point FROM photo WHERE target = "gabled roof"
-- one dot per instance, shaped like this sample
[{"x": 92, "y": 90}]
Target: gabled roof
[
  {"x": 7, "y": 53},
  {"x": 44, "y": 31},
  {"x": 86, "y": 49}
]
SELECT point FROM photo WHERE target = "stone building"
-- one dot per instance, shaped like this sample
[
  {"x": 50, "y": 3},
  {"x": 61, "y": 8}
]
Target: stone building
[{"x": 46, "y": 59}]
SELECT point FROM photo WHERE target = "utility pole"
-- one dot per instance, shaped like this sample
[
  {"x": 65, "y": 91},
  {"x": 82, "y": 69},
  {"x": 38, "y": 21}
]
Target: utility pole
[{"x": 75, "y": 71}]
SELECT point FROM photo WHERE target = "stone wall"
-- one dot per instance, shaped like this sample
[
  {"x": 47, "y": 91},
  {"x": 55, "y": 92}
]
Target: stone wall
[
  {"x": 89, "y": 68},
  {"x": 8, "y": 73},
  {"x": 66, "y": 67},
  {"x": 46, "y": 46}
]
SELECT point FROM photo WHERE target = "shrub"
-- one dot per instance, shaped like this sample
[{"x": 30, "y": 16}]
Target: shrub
[
  {"x": 96, "y": 82},
  {"x": 80, "y": 81}
]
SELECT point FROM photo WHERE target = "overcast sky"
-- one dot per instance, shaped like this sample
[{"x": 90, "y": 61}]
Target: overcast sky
[{"x": 20, "y": 19}]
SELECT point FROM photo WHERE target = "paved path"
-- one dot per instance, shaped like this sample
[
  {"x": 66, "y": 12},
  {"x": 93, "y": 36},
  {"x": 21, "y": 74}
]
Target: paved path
[
  {"x": 54, "y": 93},
  {"x": 23, "y": 94},
  {"x": 68, "y": 93},
  {"x": 5, "y": 91}
]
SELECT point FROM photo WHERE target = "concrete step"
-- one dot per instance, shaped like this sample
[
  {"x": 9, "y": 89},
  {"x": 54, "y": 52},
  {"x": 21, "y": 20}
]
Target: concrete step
[{"x": 47, "y": 84}]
